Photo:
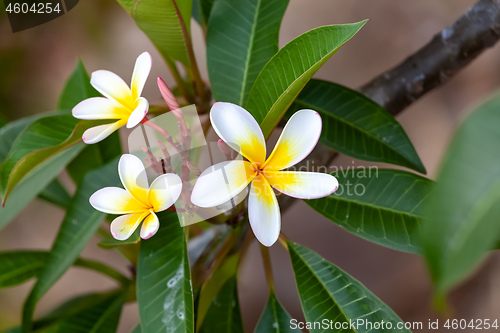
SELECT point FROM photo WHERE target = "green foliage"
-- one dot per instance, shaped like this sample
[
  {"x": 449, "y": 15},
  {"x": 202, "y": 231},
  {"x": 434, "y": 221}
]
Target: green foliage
[
  {"x": 56, "y": 194},
  {"x": 327, "y": 292},
  {"x": 286, "y": 74},
  {"x": 164, "y": 290},
  {"x": 224, "y": 313},
  {"x": 76, "y": 89},
  {"x": 20, "y": 266},
  {"x": 274, "y": 319},
  {"x": 79, "y": 224},
  {"x": 162, "y": 22},
  {"x": 462, "y": 214},
  {"x": 202, "y": 10},
  {"x": 381, "y": 205},
  {"x": 356, "y": 126},
  {"x": 242, "y": 37}
]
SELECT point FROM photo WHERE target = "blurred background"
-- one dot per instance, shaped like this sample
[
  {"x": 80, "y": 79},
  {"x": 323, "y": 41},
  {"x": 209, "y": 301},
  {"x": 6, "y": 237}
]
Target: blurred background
[{"x": 35, "y": 64}]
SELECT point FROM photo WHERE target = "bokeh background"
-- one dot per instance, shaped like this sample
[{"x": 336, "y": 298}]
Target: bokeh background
[{"x": 34, "y": 65}]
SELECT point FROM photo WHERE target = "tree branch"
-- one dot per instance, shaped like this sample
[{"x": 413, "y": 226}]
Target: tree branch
[{"x": 435, "y": 63}]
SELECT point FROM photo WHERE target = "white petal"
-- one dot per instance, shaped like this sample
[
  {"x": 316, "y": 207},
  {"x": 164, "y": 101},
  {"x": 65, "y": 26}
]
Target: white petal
[
  {"x": 221, "y": 182},
  {"x": 297, "y": 140},
  {"x": 98, "y": 108},
  {"x": 115, "y": 200},
  {"x": 124, "y": 226},
  {"x": 150, "y": 226},
  {"x": 303, "y": 185},
  {"x": 141, "y": 73},
  {"x": 139, "y": 113},
  {"x": 264, "y": 212},
  {"x": 239, "y": 129},
  {"x": 164, "y": 191},
  {"x": 113, "y": 87},
  {"x": 101, "y": 132},
  {"x": 134, "y": 178}
]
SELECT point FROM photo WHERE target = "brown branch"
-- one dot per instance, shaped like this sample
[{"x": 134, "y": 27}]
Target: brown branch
[{"x": 434, "y": 64}]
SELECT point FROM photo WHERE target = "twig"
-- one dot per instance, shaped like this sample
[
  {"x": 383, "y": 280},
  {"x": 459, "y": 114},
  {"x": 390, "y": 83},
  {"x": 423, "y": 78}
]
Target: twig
[{"x": 434, "y": 64}]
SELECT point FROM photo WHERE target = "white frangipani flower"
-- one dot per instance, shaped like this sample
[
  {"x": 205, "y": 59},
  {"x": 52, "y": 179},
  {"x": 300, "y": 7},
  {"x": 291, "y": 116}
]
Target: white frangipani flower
[
  {"x": 221, "y": 182},
  {"x": 119, "y": 102},
  {"x": 138, "y": 201}
]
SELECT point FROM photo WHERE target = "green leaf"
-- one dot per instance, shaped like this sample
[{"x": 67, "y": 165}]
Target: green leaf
[
  {"x": 356, "y": 126},
  {"x": 137, "y": 329},
  {"x": 102, "y": 317},
  {"x": 79, "y": 224},
  {"x": 77, "y": 88},
  {"x": 110, "y": 243},
  {"x": 242, "y": 36},
  {"x": 72, "y": 310},
  {"x": 274, "y": 319},
  {"x": 286, "y": 74},
  {"x": 34, "y": 183},
  {"x": 462, "y": 214},
  {"x": 20, "y": 266},
  {"x": 40, "y": 142},
  {"x": 56, "y": 194},
  {"x": 164, "y": 292},
  {"x": 224, "y": 313},
  {"x": 202, "y": 10},
  {"x": 382, "y": 206},
  {"x": 327, "y": 292},
  {"x": 160, "y": 21}
]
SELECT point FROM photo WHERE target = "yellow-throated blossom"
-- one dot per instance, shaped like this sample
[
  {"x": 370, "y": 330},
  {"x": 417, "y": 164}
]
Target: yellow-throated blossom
[
  {"x": 119, "y": 102},
  {"x": 138, "y": 201},
  {"x": 223, "y": 181}
]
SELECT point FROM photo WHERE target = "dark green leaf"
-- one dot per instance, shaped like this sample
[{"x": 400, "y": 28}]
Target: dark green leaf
[
  {"x": 286, "y": 74},
  {"x": 111, "y": 242},
  {"x": 137, "y": 329},
  {"x": 274, "y": 319},
  {"x": 79, "y": 224},
  {"x": 160, "y": 21},
  {"x": 202, "y": 10},
  {"x": 224, "y": 313},
  {"x": 19, "y": 266},
  {"x": 242, "y": 37},
  {"x": 327, "y": 292},
  {"x": 77, "y": 88},
  {"x": 462, "y": 214},
  {"x": 356, "y": 126},
  {"x": 380, "y": 205},
  {"x": 56, "y": 194},
  {"x": 164, "y": 292},
  {"x": 34, "y": 183}
]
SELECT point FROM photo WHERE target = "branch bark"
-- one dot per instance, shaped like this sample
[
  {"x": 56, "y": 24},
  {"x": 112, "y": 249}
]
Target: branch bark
[{"x": 434, "y": 64}]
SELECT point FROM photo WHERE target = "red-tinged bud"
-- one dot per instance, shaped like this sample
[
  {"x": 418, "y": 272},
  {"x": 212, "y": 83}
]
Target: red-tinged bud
[{"x": 173, "y": 105}]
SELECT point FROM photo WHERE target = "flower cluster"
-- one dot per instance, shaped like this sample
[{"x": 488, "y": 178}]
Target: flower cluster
[{"x": 218, "y": 184}]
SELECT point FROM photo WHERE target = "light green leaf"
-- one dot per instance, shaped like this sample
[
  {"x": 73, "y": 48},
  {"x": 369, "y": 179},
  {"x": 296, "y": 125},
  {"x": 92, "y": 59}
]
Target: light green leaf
[
  {"x": 286, "y": 74},
  {"x": 356, "y": 126},
  {"x": 327, "y": 292},
  {"x": 30, "y": 186},
  {"x": 79, "y": 224},
  {"x": 242, "y": 37},
  {"x": 56, "y": 194},
  {"x": 77, "y": 88},
  {"x": 164, "y": 292},
  {"x": 274, "y": 319},
  {"x": 224, "y": 313},
  {"x": 462, "y": 214},
  {"x": 160, "y": 21},
  {"x": 383, "y": 206},
  {"x": 40, "y": 142}
]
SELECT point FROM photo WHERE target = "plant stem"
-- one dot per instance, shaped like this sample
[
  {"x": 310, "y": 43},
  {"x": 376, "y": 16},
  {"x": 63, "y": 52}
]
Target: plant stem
[
  {"x": 104, "y": 269},
  {"x": 180, "y": 82},
  {"x": 267, "y": 267},
  {"x": 283, "y": 240}
]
